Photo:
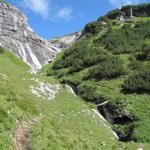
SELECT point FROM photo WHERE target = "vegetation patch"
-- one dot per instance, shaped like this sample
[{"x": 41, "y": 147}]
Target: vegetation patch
[
  {"x": 1, "y": 50},
  {"x": 127, "y": 39},
  {"x": 111, "y": 62},
  {"x": 139, "y": 82}
]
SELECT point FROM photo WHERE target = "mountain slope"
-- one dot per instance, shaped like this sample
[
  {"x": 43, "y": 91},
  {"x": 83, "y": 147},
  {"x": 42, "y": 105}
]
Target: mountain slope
[
  {"x": 65, "y": 41},
  {"x": 111, "y": 64},
  {"x": 37, "y": 112},
  {"x": 67, "y": 121},
  {"x": 18, "y": 37}
]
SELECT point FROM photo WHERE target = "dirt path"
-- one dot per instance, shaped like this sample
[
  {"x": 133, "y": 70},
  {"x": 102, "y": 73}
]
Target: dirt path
[{"x": 20, "y": 137}]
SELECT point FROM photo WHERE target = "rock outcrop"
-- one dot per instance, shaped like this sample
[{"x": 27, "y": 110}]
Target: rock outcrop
[
  {"x": 17, "y": 36},
  {"x": 65, "y": 41}
]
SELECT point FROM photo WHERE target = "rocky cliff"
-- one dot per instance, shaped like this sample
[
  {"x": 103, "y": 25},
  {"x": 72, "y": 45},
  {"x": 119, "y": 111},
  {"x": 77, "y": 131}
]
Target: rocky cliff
[
  {"x": 17, "y": 36},
  {"x": 65, "y": 41}
]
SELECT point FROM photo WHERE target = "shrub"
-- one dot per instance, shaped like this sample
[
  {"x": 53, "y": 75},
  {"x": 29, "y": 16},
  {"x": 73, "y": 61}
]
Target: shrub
[
  {"x": 80, "y": 56},
  {"x": 113, "y": 14},
  {"x": 125, "y": 40},
  {"x": 125, "y": 132},
  {"x": 142, "y": 10},
  {"x": 1, "y": 50},
  {"x": 58, "y": 64},
  {"x": 88, "y": 92},
  {"x": 136, "y": 65},
  {"x": 76, "y": 66},
  {"x": 123, "y": 121},
  {"x": 144, "y": 54},
  {"x": 117, "y": 106},
  {"x": 92, "y": 28},
  {"x": 139, "y": 82},
  {"x": 103, "y": 18},
  {"x": 110, "y": 68}
]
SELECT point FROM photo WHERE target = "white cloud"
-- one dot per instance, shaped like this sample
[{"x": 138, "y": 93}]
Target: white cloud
[
  {"x": 49, "y": 9},
  {"x": 65, "y": 14},
  {"x": 38, "y": 6},
  {"x": 119, "y": 3}
]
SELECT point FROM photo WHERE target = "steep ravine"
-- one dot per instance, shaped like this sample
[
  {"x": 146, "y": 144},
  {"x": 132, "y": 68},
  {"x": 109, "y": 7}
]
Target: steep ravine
[
  {"x": 112, "y": 120},
  {"x": 97, "y": 111},
  {"x": 118, "y": 119}
]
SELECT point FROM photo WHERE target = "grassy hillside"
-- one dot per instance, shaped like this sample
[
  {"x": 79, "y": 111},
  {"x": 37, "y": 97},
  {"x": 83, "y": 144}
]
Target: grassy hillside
[
  {"x": 68, "y": 122},
  {"x": 111, "y": 63}
]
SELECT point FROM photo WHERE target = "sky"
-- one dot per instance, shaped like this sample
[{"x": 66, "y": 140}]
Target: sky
[{"x": 55, "y": 18}]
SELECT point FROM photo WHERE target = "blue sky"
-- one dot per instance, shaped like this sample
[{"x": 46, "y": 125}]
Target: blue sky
[{"x": 52, "y": 18}]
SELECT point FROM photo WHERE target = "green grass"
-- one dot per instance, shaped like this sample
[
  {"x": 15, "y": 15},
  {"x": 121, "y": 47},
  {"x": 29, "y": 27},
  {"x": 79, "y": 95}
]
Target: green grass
[
  {"x": 70, "y": 124},
  {"x": 65, "y": 124},
  {"x": 68, "y": 121},
  {"x": 16, "y": 100},
  {"x": 137, "y": 104}
]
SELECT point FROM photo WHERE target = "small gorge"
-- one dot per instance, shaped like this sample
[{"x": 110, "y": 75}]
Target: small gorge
[{"x": 122, "y": 122}]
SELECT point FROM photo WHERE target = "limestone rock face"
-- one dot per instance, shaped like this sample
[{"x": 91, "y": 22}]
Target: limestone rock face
[
  {"x": 17, "y": 36},
  {"x": 65, "y": 41}
]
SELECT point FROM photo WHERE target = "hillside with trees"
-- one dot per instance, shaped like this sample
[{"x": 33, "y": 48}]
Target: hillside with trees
[
  {"x": 111, "y": 63},
  {"x": 95, "y": 95}
]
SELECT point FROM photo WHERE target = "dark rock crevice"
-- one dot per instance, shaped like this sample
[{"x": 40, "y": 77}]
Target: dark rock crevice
[{"x": 123, "y": 123}]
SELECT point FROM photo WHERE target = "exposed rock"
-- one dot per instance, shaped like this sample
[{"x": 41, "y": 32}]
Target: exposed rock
[
  {"x": 105, "y": 122},
  {"x": 65, "y": 41},
  {"x": 17, "y": 36},
  {"x": 70, "y": 89},
  {"x": 119, "y": 118},
  {"x": 3, "y": 76},
  {"x": 44, "y": 90}
]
